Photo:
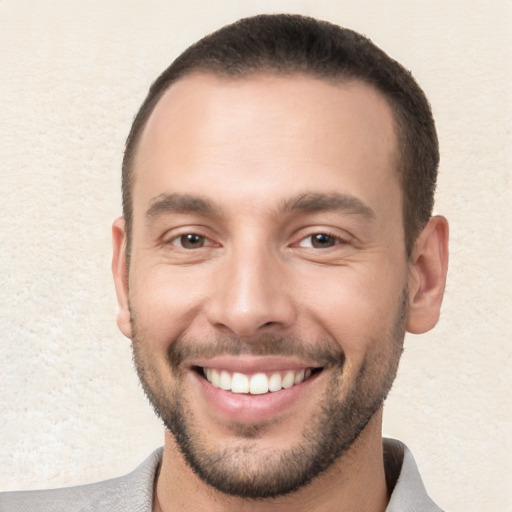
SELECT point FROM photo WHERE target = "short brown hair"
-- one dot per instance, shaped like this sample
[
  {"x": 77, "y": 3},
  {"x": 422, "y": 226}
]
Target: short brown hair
[{"x": 287, "y": 44}]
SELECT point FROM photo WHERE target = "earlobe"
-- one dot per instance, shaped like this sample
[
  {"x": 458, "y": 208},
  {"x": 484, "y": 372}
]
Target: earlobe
[
  {"x": 427, "y": 277},
  {"x": 120, "y": 274}
]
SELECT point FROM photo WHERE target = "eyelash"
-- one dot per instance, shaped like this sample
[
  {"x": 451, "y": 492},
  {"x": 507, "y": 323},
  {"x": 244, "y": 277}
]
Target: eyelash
[
  {"x": 206, "y": 241},
  {"x": 180, "y": 240},
  {"x": 336, "y": 239}
]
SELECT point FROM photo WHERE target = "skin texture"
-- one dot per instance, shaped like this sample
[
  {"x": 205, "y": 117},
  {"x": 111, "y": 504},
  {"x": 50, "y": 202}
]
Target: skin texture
[{"x": 256, "y": 169}]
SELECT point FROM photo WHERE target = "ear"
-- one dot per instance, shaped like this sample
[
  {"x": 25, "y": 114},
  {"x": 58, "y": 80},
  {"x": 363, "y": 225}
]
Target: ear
[
  {"x": 427, "y": 276},
  {"x": 120, "y": 273}
]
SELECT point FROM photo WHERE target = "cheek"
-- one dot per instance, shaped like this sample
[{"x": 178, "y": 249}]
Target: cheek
[
  {"x": 164, "y": 301},
  {"x": 356, "y": 308}
]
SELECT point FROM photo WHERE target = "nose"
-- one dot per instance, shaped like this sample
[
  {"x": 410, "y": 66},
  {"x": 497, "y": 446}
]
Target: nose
[{"x": 251, "y": 295}]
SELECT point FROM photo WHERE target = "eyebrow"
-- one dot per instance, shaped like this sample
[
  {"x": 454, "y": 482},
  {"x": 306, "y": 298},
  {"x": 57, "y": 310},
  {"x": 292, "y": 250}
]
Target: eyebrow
[
  {"x": 179, "y": 203},
  {"x": 318, "y": 202},
  {"x": 309, "y": 202}
]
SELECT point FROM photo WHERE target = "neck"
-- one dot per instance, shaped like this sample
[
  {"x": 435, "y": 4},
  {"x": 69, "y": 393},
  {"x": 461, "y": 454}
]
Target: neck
[{"x": 356, "y": 481}]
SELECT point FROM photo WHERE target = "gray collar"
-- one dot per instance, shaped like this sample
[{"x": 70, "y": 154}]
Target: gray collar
[
  {"x": 403, "y": 477},
  {"x": 407, "y": 490}
]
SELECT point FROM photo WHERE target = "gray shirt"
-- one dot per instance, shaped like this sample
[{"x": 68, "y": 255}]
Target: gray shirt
[{"x": 134, "y": 492}]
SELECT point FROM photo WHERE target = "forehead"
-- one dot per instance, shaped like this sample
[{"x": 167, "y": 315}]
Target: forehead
[{"x": 209, "y": 132}]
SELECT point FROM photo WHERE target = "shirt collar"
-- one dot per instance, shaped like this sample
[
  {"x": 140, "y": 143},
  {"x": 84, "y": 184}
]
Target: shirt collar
[{"x": 403, "y": 477}]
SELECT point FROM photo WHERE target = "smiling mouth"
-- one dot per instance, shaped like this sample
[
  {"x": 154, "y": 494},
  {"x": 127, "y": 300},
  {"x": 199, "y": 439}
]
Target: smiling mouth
[{"x": 257, "y": 383}]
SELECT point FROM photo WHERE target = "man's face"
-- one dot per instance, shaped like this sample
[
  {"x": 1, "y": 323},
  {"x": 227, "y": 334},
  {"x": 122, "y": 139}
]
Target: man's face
[{"x": 267, "y": 257}]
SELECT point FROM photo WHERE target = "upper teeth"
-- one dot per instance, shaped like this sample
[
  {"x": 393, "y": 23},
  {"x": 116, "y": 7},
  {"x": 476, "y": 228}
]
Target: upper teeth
[{"x": 256, "y": 384}]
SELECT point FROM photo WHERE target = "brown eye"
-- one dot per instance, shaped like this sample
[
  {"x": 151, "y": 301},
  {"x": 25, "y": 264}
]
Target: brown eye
[
  {"x": 319, "y": 241},
  {"x": 190, "y": 241},
  {"x": 322, "y": 241}
]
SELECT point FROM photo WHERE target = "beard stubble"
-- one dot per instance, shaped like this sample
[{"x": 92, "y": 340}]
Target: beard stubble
[{"x": 244, "y": 469}]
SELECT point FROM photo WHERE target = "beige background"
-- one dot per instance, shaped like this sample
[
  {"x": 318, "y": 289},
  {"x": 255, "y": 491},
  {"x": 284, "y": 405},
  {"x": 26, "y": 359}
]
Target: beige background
[{"x": 72, "y": 74}]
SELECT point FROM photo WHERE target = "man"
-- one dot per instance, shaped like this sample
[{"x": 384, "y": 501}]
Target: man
[{"x": 276, "y": 244}]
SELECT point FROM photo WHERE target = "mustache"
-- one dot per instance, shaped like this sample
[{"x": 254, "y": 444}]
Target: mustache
[{"x": 323, "y": 352}]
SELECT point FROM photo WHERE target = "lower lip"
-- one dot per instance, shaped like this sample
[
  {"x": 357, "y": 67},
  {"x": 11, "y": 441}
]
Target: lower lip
[{"x": 247, "y": 408}]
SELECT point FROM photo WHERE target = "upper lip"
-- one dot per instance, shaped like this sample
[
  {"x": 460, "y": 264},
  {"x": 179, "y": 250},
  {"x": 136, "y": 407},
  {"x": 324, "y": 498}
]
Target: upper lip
[{"x": 254, "y": 364}]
